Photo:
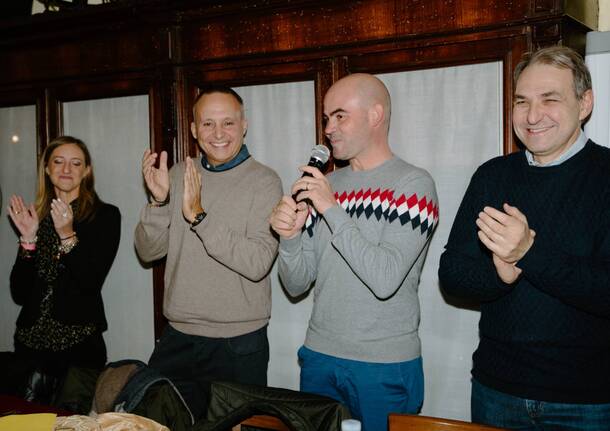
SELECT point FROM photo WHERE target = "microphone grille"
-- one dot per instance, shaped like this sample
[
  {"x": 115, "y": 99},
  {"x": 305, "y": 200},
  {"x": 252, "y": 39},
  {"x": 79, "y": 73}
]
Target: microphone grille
[{"x": 321, "y": 153}]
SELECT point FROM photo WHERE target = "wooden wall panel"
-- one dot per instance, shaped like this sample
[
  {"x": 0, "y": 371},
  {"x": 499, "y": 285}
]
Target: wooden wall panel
[
  {"x": 322, "y": 25},
  {"x": 105, "y": 51}
]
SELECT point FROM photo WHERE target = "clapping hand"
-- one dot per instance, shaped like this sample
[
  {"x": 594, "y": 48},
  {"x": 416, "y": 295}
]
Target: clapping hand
[
  {"x": 506, "y": 234},
  {"x": 156, "y": 179},
  {"x": 63, "y": 218},
  {"x": 24, "y": 217},
  {"x": 191, "y": 201}
]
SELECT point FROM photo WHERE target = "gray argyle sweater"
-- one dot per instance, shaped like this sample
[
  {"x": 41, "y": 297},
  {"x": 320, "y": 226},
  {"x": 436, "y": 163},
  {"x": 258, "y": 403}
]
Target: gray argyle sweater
[{"x": 365, "y": 256}]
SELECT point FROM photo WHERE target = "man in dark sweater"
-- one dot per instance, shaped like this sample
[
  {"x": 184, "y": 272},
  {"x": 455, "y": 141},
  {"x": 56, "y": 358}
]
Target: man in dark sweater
[{"x": 531, "y": 243}]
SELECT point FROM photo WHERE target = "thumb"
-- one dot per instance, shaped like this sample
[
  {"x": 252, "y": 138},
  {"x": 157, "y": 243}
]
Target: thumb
[
  {"x": 513, "y": 211},
  {"x": 163, "y": 161}
]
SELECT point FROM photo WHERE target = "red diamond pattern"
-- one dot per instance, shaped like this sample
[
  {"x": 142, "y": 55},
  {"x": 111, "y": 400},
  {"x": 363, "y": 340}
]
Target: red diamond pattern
[{"x": 419, "y": 211}]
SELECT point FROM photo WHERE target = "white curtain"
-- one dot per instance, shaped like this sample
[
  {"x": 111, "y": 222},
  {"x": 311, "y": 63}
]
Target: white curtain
[
  {"x": 446, "y": 120},
  {"x": 281, "y": 133},
  {"x": 17, "y": 176},
  {"x": 598, "y": 61},
  {"x": 116, "y": 130}
]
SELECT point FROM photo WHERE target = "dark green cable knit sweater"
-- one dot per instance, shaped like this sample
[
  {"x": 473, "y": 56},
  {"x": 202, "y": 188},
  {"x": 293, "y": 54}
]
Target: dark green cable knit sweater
[{"x": 547, "y": 336}]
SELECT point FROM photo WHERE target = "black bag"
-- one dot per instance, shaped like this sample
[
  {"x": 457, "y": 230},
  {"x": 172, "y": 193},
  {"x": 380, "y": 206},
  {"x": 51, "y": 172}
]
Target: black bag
[{"x": 231, "y": 403}]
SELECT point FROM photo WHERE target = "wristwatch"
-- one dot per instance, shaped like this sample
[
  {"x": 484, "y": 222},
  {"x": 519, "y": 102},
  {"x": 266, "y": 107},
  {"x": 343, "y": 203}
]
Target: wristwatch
[{"x": 198, "y": 218}]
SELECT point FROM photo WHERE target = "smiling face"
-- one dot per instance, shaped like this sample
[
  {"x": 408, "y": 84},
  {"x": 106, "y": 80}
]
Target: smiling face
[
  {"x": 219, "y": 127},
  {"x": 66, "y": 169},
  {"x": 547, "y": 115}
]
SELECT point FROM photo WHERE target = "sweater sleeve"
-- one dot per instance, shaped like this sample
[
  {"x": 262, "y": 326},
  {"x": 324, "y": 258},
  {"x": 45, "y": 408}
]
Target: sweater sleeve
[
  {"x": 151, "y": 236},
  {"x": 250, "y": 253},
  {"x": 383, "y": 265},
  {"x": 297, "y": 265},
  {"x": 84, "y": 269},
  {"x": 466, "y": 267},
  {"x": 580, "y": 281}
]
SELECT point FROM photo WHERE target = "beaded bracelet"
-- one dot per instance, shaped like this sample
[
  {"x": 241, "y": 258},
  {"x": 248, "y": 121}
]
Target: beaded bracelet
[
  {"x": 67, "y": 248},
  {"x": 22, "y": 240}
]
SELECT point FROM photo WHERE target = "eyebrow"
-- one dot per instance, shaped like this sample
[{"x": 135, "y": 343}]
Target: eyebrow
[
  {"x": 551, "y": 93},
  {"x": 68, "y": 158},
  {"x": 221, "y": 119},
  {"x": 336, "y": 111},
  {"x": 547, "y": 94}
]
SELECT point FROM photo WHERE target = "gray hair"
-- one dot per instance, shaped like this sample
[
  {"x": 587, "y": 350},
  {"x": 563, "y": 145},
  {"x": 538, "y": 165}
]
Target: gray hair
[{"x": 563, "y": 58}]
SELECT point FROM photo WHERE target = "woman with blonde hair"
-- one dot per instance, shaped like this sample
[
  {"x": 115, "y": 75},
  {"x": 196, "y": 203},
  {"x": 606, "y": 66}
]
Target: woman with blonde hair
[{"x": 68, "y": 241}]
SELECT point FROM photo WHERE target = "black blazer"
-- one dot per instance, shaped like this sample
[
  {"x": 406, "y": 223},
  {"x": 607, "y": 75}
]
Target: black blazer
[{"x": 77, "y": 297}]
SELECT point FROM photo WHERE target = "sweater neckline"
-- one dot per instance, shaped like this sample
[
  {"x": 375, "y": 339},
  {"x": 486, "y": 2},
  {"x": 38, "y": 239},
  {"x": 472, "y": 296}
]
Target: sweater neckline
[
  {"x": 370, "y": 172},
  {"x": 575, "y": 160}
]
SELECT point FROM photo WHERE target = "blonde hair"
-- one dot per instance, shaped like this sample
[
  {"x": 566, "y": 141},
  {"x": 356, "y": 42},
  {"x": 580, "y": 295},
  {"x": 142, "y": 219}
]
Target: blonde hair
[{"x": 87, "y": 200}]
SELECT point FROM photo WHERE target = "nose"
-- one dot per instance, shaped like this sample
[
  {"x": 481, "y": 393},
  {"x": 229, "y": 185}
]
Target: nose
[
  {"x": 66, "y": 168},
  {"x": 218, "y": 132},
  {"x": 534, "y": 113},
  {"x": 329, "y": 127}
]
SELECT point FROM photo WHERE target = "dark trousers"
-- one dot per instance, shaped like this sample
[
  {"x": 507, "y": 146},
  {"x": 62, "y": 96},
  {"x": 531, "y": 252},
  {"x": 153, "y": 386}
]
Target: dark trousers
[
  {"x": 38, "y": 375},
  {"x": 89, "y": 353},
  {"x": 192, "y": 362}
]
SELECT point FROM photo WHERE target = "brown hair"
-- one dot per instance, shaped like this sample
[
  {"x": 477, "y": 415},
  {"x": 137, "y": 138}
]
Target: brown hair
[
  {"x": 563, "y": 58},
  {"x": 87, "y": 200}
]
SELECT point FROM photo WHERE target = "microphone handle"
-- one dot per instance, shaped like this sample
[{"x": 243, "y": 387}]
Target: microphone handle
[{"x": 313, "y": 162}]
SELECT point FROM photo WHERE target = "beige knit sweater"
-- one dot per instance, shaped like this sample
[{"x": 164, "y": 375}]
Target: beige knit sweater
[{"x": 217, "y": 274}]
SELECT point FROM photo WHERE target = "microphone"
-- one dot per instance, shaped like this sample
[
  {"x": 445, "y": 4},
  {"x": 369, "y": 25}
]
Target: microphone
[{"x": 318, "y": 158}]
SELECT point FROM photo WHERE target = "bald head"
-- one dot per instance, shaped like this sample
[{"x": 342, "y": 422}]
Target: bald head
[
  {"x": 368, "y": 90},
  {"x": 357, "y": 120}
]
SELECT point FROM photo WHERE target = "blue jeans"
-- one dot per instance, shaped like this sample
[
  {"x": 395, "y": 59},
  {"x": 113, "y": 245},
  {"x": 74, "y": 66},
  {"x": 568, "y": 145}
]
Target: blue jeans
[
  {"x": 495, "y": 408},
  {"x": 370, "y": 390}
]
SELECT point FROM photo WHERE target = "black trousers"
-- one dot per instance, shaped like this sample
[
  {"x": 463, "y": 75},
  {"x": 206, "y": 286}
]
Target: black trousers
[
  {"x": 191, "y": 362},
  {"x": 38, "y": 375},
  {"x": 89, "y": 353}
]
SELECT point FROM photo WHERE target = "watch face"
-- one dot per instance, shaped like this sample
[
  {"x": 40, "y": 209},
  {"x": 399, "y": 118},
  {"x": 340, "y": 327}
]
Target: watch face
[{"x": 198, "y": 218}]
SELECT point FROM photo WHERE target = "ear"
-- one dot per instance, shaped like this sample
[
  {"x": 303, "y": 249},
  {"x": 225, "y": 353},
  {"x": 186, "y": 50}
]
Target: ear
[
  {"x": 586, "y": 104},
  {"x": 46, "y": 170},
  {"x": 87, "y": 171},
  {"x": 194, "y": 130},
  {"x": 376, "y": 115},
  {"x": 244, "y": 125}
]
